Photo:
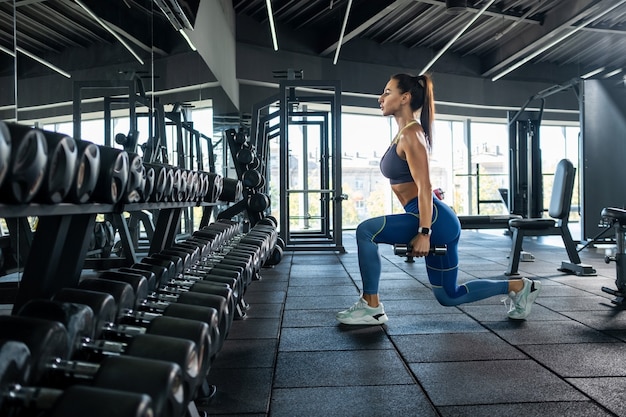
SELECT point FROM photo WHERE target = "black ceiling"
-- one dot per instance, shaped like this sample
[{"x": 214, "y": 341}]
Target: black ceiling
[
  {"x": 512, "y": 39},
  {"x": 573, "y": 36}
]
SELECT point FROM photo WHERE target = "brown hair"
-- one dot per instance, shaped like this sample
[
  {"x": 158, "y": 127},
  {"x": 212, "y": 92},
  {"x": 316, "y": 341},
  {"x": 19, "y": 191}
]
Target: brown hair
[{"x": 421, "y": 89}]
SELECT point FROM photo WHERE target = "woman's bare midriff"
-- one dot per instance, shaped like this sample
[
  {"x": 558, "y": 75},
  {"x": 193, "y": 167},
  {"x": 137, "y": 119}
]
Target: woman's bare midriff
[{"x": 405, "y": 192}]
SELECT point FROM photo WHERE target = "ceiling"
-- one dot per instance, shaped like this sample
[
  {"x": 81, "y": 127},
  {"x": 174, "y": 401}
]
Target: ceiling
[
  {"x": 548, "y": 41},
  {"x": 506, "y": 38}
]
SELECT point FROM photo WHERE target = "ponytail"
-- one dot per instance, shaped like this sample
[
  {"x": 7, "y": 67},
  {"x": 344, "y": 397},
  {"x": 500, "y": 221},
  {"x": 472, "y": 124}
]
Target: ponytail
[
  {"x": 427, "y": 116},
  {"x": 422, "y": 97}
]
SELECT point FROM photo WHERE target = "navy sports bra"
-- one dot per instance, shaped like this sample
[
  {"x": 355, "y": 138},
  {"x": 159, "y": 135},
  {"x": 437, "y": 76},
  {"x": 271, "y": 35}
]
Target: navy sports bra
[{"x": 394, "y": 167}]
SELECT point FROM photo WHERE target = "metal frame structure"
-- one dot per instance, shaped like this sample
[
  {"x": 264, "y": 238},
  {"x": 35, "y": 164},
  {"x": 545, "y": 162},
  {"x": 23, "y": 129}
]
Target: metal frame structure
[{"x": 322, "y": 92}]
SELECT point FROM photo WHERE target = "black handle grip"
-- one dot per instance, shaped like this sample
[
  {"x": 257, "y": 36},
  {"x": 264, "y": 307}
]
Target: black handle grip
[{"x": 402, "y": 250}]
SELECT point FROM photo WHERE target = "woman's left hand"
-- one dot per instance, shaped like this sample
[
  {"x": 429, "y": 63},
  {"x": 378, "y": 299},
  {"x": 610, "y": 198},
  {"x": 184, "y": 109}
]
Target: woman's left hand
[{"x": 420, "y": 245}]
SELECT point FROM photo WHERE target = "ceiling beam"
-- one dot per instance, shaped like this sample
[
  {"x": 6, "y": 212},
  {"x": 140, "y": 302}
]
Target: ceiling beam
[
  {"x": 514, "y": 47},
  {"x": 362, "y": 18}
]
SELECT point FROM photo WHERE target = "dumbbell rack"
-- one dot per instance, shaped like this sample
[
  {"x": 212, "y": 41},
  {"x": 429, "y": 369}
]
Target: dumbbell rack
[{"x": 60, "y": 242}]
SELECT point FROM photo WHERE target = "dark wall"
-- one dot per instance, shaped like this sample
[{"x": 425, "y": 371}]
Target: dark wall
[
  {"x": 480, "y": 97},
  {"x": 603, "y": 150}
]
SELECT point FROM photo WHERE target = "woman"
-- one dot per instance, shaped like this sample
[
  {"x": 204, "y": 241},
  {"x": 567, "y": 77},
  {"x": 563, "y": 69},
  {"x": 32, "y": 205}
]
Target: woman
[{"x": 426, "y": 222}]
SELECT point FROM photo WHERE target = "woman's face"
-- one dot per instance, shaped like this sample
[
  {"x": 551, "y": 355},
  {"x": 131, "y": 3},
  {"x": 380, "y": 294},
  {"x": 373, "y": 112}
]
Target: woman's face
[{"x": 391, "y": 99}]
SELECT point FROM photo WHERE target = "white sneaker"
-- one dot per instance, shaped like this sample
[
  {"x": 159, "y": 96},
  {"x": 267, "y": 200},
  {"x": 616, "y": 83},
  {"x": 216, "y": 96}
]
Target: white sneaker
[
  {"x": 362, "y": 313},
  {"x": 523, "y": 300}
]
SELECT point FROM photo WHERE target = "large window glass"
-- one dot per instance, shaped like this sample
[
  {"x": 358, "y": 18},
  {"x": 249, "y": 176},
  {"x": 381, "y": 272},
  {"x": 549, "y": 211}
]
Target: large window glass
[
  {"x": 558, "y": 142},
  {"x": 364, "y": 140},
  {"x": 489, "y": 168}
]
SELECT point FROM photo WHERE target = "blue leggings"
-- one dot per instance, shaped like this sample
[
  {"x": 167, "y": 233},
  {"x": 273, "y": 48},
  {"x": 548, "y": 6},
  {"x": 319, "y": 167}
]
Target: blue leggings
[{"x": 442, "y": 270}]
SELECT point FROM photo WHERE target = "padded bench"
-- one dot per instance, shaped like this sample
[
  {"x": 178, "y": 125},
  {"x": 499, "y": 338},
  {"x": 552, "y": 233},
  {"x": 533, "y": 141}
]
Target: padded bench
[{"x": 487, "y": 221}]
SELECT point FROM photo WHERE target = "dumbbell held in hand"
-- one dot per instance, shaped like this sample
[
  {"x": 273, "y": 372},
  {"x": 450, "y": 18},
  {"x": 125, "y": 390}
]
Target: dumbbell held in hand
[{"x": 405, "y": 250}]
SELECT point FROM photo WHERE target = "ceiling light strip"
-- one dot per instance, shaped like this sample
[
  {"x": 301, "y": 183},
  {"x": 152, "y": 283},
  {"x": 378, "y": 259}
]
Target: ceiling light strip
[
  {"x": 44, "y": 62},
  {"x": 457, "y": 36},
  {"x": 592, "y": 73},
  {"x": 556, "y": 41},
  {"x": 191, "y": 45},
  {"x": 343, "y": 30},
  {"x": 108, "y": 29},
  {"x": 270, "y": 15},
  {"x": 612, "y": 73}
]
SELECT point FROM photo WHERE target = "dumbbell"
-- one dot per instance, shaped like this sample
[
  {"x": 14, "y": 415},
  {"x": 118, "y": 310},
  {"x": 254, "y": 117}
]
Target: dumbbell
[
  {"x": 17, "y": 399},
  {"x": 245, "y": 249},
  {"x": 195, "y": 318},
  {"x": 84, "y": 345},
  {"x": 215, "y": 187},
  {"x": 136, "y": 179},
  {"x": 232, "y": 190},
  {"x": 229, "y": 261},
  {"x": 5, "y": 150},
  {"x": 148, "y": 275},
  {"x": 47, "y": 342},
  {"x": 60, "y": 168},
  {"x": 27, "y": 164},
  {"x": 403, "y": 250},
  {"x": 113, "y": 175},
  {"x": 160, "y": 182},
  {"x": 227, "y": 272},
  {"x": 86, "y": 172},
  {"x": 126, "y": 301},
  {"x": 171, "y": 289},
  {"x": 239, "y": 267}
]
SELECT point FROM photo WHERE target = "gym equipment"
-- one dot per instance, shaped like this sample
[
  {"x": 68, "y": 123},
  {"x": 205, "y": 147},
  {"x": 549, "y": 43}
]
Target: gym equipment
[
  {"x": 86, "y": 172},
  {"x": 484, "y": 221},
  {"x": 47, "y": 341},
  {"x": 232, "y": 190},
  {"x": 113, "y": 175},
  {"x": 252, "y": 178},
  {"x": 215, "y": 187},
  {"x": 76, "y": 400},
  {"x": 5, "y": 150},
  {"x": 403, "y": 250},
  {"x": 136, "y": 179},
  {"x": 149, "y": 182},
  {"x": 105, "y": 312},
  {"x": 560, "y": 204},
  {"x": 258, "y": 202},
  {"x": 60, "y": 168},
  {"x": 78, "y": 320},
  {"x": 616, "y": 217},
  {"x": 160, "y": 181},
  {"x": 126, "y": 302},
  {"x": 27, "y": 164}
]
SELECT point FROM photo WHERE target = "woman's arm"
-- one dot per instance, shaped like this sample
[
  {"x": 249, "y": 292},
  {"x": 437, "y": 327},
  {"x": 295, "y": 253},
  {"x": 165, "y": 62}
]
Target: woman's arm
[{"x": 415, "y": 149}]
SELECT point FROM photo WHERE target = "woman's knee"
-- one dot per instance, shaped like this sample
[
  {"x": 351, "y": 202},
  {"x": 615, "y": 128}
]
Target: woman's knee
[
  {"x": 365, "y": 229},
  {"x": 443, "y": 298}
]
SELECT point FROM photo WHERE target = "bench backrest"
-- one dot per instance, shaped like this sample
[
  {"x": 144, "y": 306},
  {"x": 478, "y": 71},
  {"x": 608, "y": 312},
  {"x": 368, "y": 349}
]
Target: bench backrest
[{"x": 562, "y": 190}]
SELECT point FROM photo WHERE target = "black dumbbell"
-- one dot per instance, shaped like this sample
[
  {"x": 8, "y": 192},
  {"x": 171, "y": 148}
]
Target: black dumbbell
[
  {"x": 403, "y": 250},
  {"x": 226, "y": 269},
  {"x": 27, "y": 164},
  {"x": 196, "y": 318},
  {"x": 47, "y": 341},
  {"x": 60, "y": 168},
  {"x": 126, "y": 301},
  {"x": 79, "y": 321},
  {"x": 5, "y": 150},
  {"x": 113, "y": 175},
  {"x": 17, "y": 399},
  {"x": 86, "y": 172},
  {"x": 136, "y": 183}
]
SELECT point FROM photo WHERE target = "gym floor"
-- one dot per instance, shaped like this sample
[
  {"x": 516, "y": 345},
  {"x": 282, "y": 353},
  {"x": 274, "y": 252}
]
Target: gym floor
[{"x": 290, "y": 357}]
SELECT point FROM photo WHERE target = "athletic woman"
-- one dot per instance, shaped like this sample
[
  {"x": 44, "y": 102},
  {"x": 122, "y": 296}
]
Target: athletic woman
[{"x": 427, "y": 221}]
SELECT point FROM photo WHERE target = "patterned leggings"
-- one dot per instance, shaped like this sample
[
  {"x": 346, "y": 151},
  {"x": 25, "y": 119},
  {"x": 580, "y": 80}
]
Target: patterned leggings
[{"x": 442, "y": 270}]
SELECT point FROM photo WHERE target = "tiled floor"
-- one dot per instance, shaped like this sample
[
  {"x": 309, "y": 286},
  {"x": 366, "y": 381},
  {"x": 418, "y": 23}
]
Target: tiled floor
[{"x": 290, "y": 357}]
